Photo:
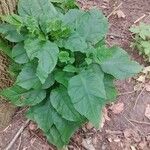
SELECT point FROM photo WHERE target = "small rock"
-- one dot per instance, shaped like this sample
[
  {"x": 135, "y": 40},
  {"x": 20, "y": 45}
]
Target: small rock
[{"x": 87, "y": 143}]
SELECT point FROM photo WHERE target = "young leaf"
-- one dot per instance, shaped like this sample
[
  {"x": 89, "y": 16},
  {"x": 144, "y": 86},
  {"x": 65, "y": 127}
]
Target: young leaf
[
  {"x": 22, "y": 97},
  {"x": 64, "y": 56},
  {"x": 47, "y": 54},
  {"x": 19, "y": 54},
  {"x": 70, "y": 68},
  {"x": 92, "y": 94},
  {"x": 61, "y": 101},
  {"x": 118, "y": 63}
]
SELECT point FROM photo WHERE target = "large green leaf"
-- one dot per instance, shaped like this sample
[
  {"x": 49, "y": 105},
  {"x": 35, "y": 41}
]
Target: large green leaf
[
  {"x": 61, "y": 101},
  {"x": 57, "y": 129},
  {"x": 84, "y": 34},
  {"x": 10, "y": 33},
  {"x": 19, "y": 54},
  {"x": 47, "y": 54},
  {"x": 37, "y": 8},
  {"x": 87, "y": 94},
  {"x": 84, "y": 26},
  {"x": 117, "y": 63},
  {"x": 27, "y": 78},
  {"x": 22, "y": 97}
]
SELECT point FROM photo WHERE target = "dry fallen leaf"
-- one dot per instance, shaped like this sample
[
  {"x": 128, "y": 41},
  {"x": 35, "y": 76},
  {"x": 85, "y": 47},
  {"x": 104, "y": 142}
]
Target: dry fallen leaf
[
  {"x": 147, "y": 87},
  {"x": 132, "y": 147},
  {"x": 146, "y": 70},
  {"x": 117, "y": 108},
  {"x": 141, "y": 78},
  {"x": 147, "y": 111},
  {"x": 120, "y": 14}
]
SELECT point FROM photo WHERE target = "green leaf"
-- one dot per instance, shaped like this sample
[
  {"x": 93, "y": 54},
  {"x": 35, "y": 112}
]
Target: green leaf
[
  {"x": 70, "y": 68},
  {"x": 37, "y": 8},
  {"x": 22, "y": 97},
  {"x": 61, "y": 101},
  {"x": 10, "y": 33},
  {"x": 47, "y": 118},
  {"x": 118, "y": 63},
  {"x": 64, "y": 56},
  {"x": 27, "y": 78},
  {"x": 19, "y": 54},
  {"x": 76, "y": 43},
  {"x": 143, "y": 30},
  {"x": 84, "y": 34},
  {"x": 13, "y": 19},
  {"x": 87, "y": 94},
  {"x": 5, "y": 47},
  {"x": 47, "y": 54},
  {"x": 84, "y": 26},
  {"x": 111, "y": 92},
  {"x": 49, "y": 81},
  {"x": 62, "y": 77},
  {"x": 54, "y": 137}
]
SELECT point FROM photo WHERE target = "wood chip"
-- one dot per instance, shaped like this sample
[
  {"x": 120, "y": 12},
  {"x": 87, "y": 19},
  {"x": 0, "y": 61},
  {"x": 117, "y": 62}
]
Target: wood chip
[
  {"x": 147, "y": 111},
  {"x": 117, "y": 108},
  {"x": 120, "y": 14}
]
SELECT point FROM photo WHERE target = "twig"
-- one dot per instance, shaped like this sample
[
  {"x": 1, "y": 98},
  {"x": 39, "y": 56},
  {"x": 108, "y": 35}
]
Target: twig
[
  {"x": 138, "y": 97},
  {"x": 19, "y": 142},
  {"x": 129, "y": 121},
  {"x": 126, "y": 93},
  {"x": 140, "y": 122},
  {"x": 114, "y": 10},
  {"x": 139, "y": 19},
  {"x": 17, "y": 135}
]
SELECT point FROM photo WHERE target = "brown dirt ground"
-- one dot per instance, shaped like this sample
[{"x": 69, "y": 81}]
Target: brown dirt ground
[{"x": 127, "y": 130}]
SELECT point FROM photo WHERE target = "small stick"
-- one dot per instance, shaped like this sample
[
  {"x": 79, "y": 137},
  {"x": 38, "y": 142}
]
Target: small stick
[
  {"x": 138, "y": 97},
  {"x": 140, "y": 122},
  {"x": 17, "y": 135},
  {"x": 114, "y": 10},
  {"x": 125, "y": 93},
  {"x": 19, "y": 142},
  {"x": 139, "y": 19}
]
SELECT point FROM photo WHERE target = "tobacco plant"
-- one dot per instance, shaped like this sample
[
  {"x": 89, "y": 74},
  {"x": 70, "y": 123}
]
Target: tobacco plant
[
  {"x": 62, "y": 67},
  {"x": 142, "y": 39}
]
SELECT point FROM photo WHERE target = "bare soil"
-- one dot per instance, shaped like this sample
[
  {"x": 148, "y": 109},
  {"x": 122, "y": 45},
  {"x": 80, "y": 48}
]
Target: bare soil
[{"x": 127, "y": 130}]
